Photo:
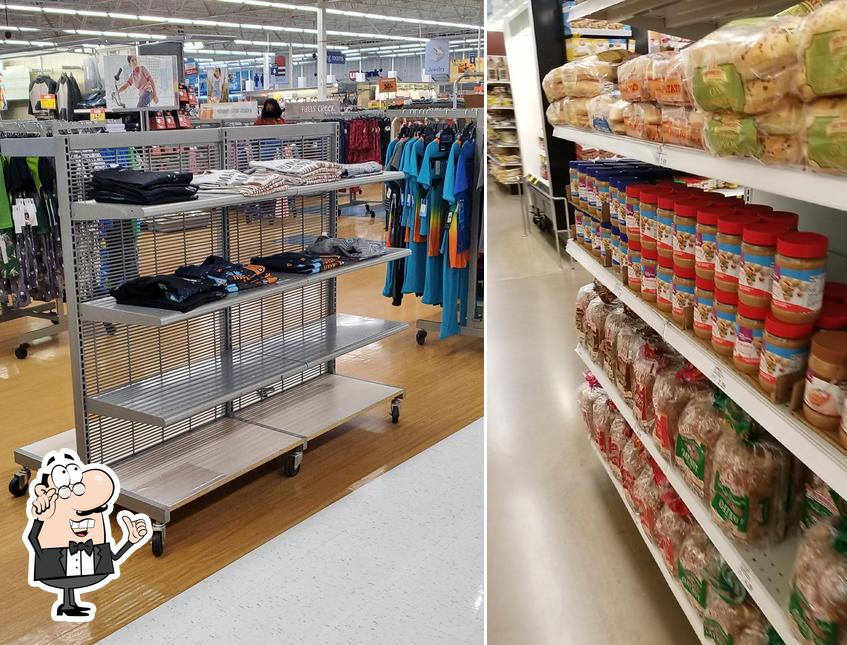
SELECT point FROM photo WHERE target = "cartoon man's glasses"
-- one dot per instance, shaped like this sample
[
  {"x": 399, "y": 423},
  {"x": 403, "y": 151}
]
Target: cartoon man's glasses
[{"x": 68, "y": 479}]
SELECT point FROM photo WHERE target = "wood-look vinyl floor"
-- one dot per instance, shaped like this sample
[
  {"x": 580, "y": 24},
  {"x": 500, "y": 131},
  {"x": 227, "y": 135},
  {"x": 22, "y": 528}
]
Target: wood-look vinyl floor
[{"x": 444, "y": 393}]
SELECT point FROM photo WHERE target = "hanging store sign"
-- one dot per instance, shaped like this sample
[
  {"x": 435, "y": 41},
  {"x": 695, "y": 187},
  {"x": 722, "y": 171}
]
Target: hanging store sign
[
  {"x": 335, "y": 57},
  {"x": 387, "y": 85},
  {"x": 306, "y": 109},
  {"x": 222, "y": 111},
  {"x": 190, "y": 68},
  {"x": 437, "y": 57}
]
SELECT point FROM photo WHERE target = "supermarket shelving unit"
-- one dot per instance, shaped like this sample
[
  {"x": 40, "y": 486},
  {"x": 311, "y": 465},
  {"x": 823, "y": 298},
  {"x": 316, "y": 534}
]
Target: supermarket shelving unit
[{"x": 179, "y": 404}]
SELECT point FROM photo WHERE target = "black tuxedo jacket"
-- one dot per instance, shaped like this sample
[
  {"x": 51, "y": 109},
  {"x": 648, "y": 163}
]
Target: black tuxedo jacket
[{"x": 50, "y": 563}]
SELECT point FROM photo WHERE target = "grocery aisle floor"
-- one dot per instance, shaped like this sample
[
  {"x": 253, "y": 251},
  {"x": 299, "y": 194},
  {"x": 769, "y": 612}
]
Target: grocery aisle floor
[
  {"x": 565, "y": 562},
  {"x": 399, "y": 560}
]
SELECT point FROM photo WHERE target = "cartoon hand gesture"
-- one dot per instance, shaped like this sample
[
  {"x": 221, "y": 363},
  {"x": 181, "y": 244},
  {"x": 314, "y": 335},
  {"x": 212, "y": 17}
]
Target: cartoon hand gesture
[
  {"x": 44, "y": 502},
  {"x": 136, "y": 527}
]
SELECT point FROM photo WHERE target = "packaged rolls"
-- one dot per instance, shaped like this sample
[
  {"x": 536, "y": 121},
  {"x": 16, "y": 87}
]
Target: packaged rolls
[
  {"x": 584, "y": 78},
  {"x": 605, "y": 112},
  {"x": 673, "y": 86},
  {"x": 568, "y": 111},
  {"x": 822, "y": 44},
  {"x": 731, "y": 135},
  {"x": 825, "y": 134},
  {"x": 682, "y": 126},
  {"x": 643, "y": 121}
]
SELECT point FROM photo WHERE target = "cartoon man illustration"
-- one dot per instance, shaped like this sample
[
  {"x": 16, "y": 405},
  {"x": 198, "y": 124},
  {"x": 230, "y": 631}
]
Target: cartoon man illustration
[{"x": 68, "y": 536}]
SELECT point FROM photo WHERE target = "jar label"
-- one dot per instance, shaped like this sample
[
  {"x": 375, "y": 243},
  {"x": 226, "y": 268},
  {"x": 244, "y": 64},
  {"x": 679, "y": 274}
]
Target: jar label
[
  {"x": 723, "y": 330},
  {"x": 703, "y": 314},
  {"x": 648, "y": 226},
  {"x": 756, "y": 275},
  {"x": 664, "y": 287},
  {"x": 706, "y": 250},
  {"x": 685, "y": 242},
  {"x": 728, "y": 262},
  {"x": 633, "y": 275},
  {"x": 798, "y": 290},
  {"x": 683, "y": 297},
  {"x": 664, "y": 232},
  {"x": 648, "y": 279},
  {"x": 632, "y": 218},
  {"x": 779, "y": 361},
  {"x": 748, "y": 345},
  {"x": 824, "y": 397}
]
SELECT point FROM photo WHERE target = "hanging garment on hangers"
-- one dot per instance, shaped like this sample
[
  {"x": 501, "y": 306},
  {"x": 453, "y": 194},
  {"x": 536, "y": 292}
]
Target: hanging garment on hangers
[
  {"x": 416, "y": 266},
  {"x": 433, "y": 209}
]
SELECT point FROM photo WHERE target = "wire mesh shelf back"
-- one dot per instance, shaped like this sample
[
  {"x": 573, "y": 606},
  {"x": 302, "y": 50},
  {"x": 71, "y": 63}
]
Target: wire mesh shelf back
[{"x": 170, "y": 369}]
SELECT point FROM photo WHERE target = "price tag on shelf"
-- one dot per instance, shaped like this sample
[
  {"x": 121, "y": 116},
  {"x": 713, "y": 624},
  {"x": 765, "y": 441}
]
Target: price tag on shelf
[
  {"x": 98, "y": 114},
  {"x": 746, "y": 577},
  {"x": 718, "y": 377},
  {"x": 663, "y": 158}
]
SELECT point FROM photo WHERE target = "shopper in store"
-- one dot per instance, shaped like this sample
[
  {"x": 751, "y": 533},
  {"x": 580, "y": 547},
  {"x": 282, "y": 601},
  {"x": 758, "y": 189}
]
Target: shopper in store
[
  {"x": 142, "y": 80},
  {"x": 271, "y": 113}
]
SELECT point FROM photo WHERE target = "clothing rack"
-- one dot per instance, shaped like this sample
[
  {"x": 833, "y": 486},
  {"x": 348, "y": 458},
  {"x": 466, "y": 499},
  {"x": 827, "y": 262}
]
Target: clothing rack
[
  {"x": 179, "y": 404},
  {"x": 473, "y": 324}
]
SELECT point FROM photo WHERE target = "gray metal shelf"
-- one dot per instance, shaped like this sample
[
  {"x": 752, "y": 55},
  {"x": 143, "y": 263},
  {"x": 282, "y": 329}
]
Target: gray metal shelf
[
  {"x": 94, "y": 211},
  {"x": 108, "y": 311},
  {"x": 174, "y": 395}
]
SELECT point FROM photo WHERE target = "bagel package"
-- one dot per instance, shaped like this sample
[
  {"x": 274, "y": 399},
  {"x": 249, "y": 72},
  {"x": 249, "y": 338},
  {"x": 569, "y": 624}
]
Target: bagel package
[
  {"x": 825, "y": 135},
  {"x": 818, "y": 598},
  {"x": 747, "y": 66},
  {"x": 595, "y": 327},
  {"x": 822, "y": 45}
]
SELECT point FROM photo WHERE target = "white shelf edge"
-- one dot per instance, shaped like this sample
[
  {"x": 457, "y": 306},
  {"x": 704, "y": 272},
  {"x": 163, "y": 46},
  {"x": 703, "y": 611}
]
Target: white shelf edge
[
  {"x": 825, "y": 459},
  {"x": 738, "y": 558},
  {"x": 578, "y": 32},
  {"x": 679, "y": 593},
  {"x": 797, "y": 183},
  {"x": 590, "y": 7}
]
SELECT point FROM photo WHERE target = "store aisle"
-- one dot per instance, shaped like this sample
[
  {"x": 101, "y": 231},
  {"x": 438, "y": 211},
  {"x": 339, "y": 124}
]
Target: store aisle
[
  {"x": 399, "y": 560},
  {"x": 565, "y": 562}
]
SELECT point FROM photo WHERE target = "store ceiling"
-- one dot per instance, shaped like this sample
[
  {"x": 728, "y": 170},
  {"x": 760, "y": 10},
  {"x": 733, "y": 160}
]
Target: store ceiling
[{"x": 218, "y": 24}]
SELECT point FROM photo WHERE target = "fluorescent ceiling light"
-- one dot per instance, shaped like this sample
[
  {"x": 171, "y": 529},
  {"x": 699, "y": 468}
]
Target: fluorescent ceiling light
[
  {"x": 357, "y": 34},
  {"x": 276, "y": 43},
  {"x": 415, "y": 21},
  {"x": 29, "y": 43},
  {"x": 132, "y": 35},
  {"x": 272, "y": 5}
]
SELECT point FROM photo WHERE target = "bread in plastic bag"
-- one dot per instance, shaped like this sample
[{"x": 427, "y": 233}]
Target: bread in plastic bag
[
  {"x": 672, "y": 71},
  {"x": 730, "y": 612},
  {"x": 701, "y": 424},
  {"x": 819, "y": 502},
  {"x": 585, "y": 295},
  {"x": 653, "y": 357},
  {"x": 818, "y": 595},
  {"x": 750, "y": 485},
  {"x": 745, "y": 66},
  {"x": 553, "y": 85},
  {"x": 682, "y": 126},
  {"x": 605, "y": 112},
  {"x": 823, "y": 55},
  {"x": 633, "y": 462},
  {"x": 614, "y": 322},
  {"x": 673, "y": 524},
  {"x": 672, "y": 390},
  {"x": 780, "y": 150},
  {"x": 632, "y": 336},
  {"x": 643, "y": 121},
  {"x": 731, "y": 135},
  {"x": 786, "y": 119},
  {"x": 557, "y": 112},
  {"x": 586, "y": 394},
  {"x": 647, "y": 492},
  {"x": 603, "y": 414},
  {"x": 639, "y": 79},
  {"x": 619, "y": 435},
  {"x": 825, "y": 135},
  {"x": 595, "y": 327},
  {"x": 695, "y": 553}
]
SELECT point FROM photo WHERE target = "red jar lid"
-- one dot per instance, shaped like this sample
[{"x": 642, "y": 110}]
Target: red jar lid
[
  {"x": 788, "y": 219},
  {"x": 761, "y": 234},
  {"x": 759, "y": 208},
  {"x": 688, "y": 206},
  {"x": 683, "y": 272},
  {"x": 709, "y": 215},
  {"x": 835, "y": 291},
  {"x": 666, "y": 262},
  {"x": 753, "y": 313},
  {"x": 786, "y": 330},
  {"x": 734, "y": 223},
  {"x": 634, "y": 190},
  {"x": 649, "y": 195},
  {"x": 802, "y": 245},
  {"x": 704, "y": 283},
  {"x": 726, "y": 297},
  {"x": 833, "y": 316},
  {"x": 649, "y": 254},
  {"x": 666, "y": 200},
  {"x": 633, "y": 245}
]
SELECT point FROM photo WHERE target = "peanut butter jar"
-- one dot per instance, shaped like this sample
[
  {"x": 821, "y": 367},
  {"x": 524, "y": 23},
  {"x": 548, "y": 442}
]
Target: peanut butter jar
[
  {"x": 648, "y": 202},
  {"x": 704, "y": 302},
  {"x": 728, "y": 260},
  {"x": 706, "y": 242},
  {"x": 799, "y": 277},
  {"x": 758, "y": 249},
  {"x": 749, "y": 330},
  {"x": 664, "y": 285},
  {"x": 724, "y": 321},
  {"x": 826, "y": 380},
  {"x": 785, "y": 350}
]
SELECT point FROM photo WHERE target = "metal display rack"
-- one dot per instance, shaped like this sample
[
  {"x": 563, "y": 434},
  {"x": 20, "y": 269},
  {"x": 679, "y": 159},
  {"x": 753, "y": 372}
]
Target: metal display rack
[
  {"x": 179, "y": 404},
  {"x": 474, "y": 312}
]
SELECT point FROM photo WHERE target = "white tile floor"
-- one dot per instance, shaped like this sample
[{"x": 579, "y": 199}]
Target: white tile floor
[{"x": 399, "y": 560}]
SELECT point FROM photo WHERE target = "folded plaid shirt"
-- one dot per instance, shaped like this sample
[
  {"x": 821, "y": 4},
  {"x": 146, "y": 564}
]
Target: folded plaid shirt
[{"x": 301, "y": 172}]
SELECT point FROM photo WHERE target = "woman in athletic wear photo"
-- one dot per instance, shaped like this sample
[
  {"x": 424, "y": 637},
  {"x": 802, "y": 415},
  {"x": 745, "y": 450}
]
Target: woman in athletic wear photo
[{"x": 142, "y": 81}]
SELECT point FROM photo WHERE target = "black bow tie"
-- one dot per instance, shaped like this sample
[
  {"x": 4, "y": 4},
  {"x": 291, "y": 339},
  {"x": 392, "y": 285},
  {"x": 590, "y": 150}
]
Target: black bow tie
[{"x": 87, "y": 546}]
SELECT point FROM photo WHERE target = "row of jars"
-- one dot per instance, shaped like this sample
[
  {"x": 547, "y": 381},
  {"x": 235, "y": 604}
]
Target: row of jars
[{"x": 755, "y": 284}]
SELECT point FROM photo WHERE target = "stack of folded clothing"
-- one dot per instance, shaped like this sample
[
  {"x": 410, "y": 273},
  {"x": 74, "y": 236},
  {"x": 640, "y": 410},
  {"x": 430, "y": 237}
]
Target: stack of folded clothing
[
  {"x": 123, "y": 186},
  {"x": 360, "y": 169},
  {"x": 299, "y": 262},
  {"x": 167, "y": 292},
  {"x": 302, "y": 172},
  {"x": 229, "y": 276},
  {"x": 351, "y": 247}
]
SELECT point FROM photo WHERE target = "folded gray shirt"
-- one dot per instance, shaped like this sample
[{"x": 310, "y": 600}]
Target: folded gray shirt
[
  {"x": 351, "y": 247},
  {"x": 359, "y": 169}
]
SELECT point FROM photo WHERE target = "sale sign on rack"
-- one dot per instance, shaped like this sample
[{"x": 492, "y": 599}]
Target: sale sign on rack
[{"x": 387, "y": 85}]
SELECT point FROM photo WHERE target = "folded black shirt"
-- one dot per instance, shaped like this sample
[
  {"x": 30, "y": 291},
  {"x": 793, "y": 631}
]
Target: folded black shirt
[
  {"x": 124, "y": 186},
  {"x": 167, "y": 292}
]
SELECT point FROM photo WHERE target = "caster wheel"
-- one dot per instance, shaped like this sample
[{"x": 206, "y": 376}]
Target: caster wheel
[
  {"x": 55, "y": 322},
  {"x": 158, "y": 543},
  {"x": 18, "y": 484},
  {"x": 22, "y": 350},
  {"x": 292, "y": 463},
  {"x": 110, "y": 328},
  {"x": 395, "y": 412},
  {"x": 420, "y": 337}
]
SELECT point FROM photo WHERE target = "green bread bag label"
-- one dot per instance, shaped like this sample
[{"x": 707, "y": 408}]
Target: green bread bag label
[
  {"x": 815, "y": 631},
  {"x": 693, "y": 455},
  {"x": 694, "y": 585},
  {"x": 826, "y": 63},
  {"x": 719, "y": 87},
  {"x": 735, "y": 509},
  {"x": 827, "y": 142},
  {"x": 713, "y": 630},
  {"x": 732, "y": 137}
]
